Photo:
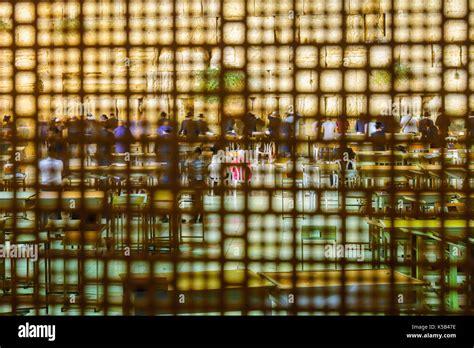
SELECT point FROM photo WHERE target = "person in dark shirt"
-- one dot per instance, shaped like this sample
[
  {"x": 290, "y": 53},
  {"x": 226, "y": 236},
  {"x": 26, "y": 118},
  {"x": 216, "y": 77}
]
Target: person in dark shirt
[
  {"x": 443, "y": 122},
  {"x": 274, "y": 124},
  {"x": 163, "y": 150},
  {"x": 250, "y": 124},
  {"x": 202, "y": 125},
  {"x": 43, "y": 132},
  {"x": 342, "y": 126},
  {"x": 470, "y": 127},
  {"x": 286, "y": 131},
  {"x": 260, "y": 124},
  {"x": 140, "y": 129},
  {"x": 123, "y": 138},
  {"x": 433, "y": 137},
  {"x": 189, "y": 128},
  {"x": 360, "y": 124},
  {"x": 57, "y": 144},
  {"x": 91, "y": 133},
  {"x": 105, "y": 147},
  {"x": 91, "y": 129},
  {"x": 198, "y": 168},
  {"x": 112, "y": 122},
  {"x": 6, "y": 133},
  {"x": 163, "y": 118},
  {"x": 6, "y": 119},
  {"x": 197, "y": 176},
  {"x": 344, "y": 154},
  {"x": 103, "y": 120},
  {"x": 73, "y": 126},
  {"x": 162, "y": 144},
  {"x": 165, "y": 128},
  {"x": 229, "y": 127},
  {"x": 425, "y": 125},
  {"x": 378, "y": 138},
  {"x": 389, "y": 123},
  {"x": 7, "y": 127}
]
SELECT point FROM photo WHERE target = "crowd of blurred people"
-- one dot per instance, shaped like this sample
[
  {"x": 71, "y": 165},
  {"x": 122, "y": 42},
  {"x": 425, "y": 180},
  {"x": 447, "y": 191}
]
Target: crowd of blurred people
[{"x": 76, "y": 137}]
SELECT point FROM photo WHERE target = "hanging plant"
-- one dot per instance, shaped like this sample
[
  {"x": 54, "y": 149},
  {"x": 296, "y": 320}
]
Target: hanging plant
[
  {"x": 382, "y": 77},
  {"x": 67, "y": 24},
  {"x": 208, "y": 82},
  {"x": 5, "y": 26},
  {"x": 40, "y": 85},
  {"x": 402, "y": 72}
]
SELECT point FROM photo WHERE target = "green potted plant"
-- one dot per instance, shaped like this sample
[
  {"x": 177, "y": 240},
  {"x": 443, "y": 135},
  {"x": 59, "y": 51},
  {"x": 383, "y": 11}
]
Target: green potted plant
[
  {"x": 402, "y": 72},
  {"x": 382, "y": 77},
  {"x": 5, "y": 26},
  {"x": 67, "y": 24},
  {"x": 208, "y": 82}
]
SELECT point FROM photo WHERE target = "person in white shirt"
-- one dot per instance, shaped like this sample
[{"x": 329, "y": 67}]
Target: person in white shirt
[
  {"x": 51, "y": 170},
  {"x": 409, "y": 124},
  {"x": 370, "y": 128},
  {"x": 314, "y": 128},
  {"x": 328, "y": 128}
]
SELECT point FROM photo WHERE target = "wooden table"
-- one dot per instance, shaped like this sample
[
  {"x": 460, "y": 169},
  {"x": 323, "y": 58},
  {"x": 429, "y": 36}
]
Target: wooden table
[
  {"x": 91, "y": 236},
  {"x": 23, "y": 200},
  {"x": 195, "y": 292},
  {"x": 387, "y": 171},
  {"x": 369, "y": 172},
  {"x": 182, "y": 140},
  {"x": 364, "y": 198},
  {"x": 454, "y": 232},
  {"x": 90, "y": 201},
  {"x": 414, "y": 198},
  {"x": 126, "y": 207},
  {"x": 364, "y": 290},
  {"x": 118, "y": 168},
  {"x": 162, "y": 205},
  {"x": 451, "y": 172},
  {"x": 373, "y": 157}
]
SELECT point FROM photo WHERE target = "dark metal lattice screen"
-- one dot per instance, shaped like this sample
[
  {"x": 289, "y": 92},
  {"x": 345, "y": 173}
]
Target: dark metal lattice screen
[{"x": 292, "y": 156}]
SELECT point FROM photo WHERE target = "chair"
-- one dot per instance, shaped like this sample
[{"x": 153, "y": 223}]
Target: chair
[
  {"x": 191, "y": 202},
  {"x": 138, "y": 182},
  {"x": 129, "y": 206},
  {"x": 74, "y": 181},
  {"x": 326, "y": 171},
  {"x": 81, "y": 239},
  {"x": 161, "y": 205},
  {"x": 309, "y": 183},
  {"x": 403, "y": 205},
  {"x": 214, "y": 177},
  {"x": 10, "y": 181},
  {"x": 351, "y": 176},
  {"x": 26, "y": 233},
  {"x": 452, "y": 209},
  {"x": 325, "y": 153},
  {"x": 317, "y": 234}
]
